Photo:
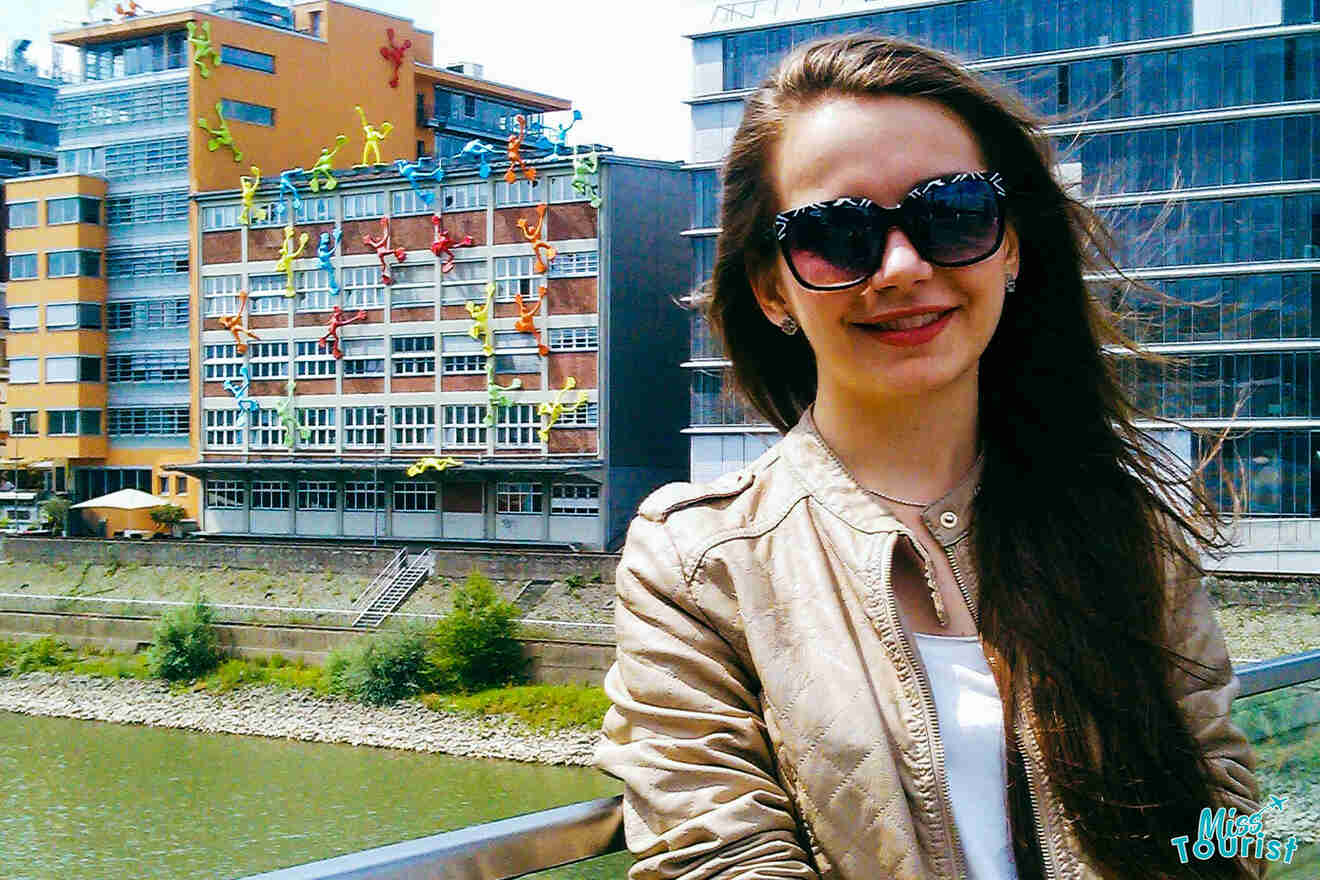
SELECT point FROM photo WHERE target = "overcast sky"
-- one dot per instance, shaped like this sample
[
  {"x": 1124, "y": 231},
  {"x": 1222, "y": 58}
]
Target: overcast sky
[{"x": 623, "y": 63}]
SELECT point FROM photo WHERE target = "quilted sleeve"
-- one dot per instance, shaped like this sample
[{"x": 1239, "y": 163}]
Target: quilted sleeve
[
  {"x": 1205, "y": 694},
  {"x": 686, "y": 736}
]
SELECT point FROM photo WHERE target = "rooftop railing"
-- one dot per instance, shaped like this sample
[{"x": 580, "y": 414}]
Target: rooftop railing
[{"x": 550, "y": 838}]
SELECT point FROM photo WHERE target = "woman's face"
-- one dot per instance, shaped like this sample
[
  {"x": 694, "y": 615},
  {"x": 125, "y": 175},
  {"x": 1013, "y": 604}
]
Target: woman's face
[{"x": 880, "y": 148}]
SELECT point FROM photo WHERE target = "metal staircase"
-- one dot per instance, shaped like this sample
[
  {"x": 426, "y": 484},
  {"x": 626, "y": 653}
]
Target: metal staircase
[{"x": 403, "y": 575}]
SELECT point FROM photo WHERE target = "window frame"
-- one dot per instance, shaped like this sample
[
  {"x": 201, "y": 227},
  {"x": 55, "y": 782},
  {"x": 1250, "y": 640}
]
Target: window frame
[
  {"x": 83, "y": 255},
  {"x": 26, "y": 203},
  {"x": 81, "y": 202}
]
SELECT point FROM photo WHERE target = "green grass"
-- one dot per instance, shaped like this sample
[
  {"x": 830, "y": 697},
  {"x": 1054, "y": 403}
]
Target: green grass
[
  {"x": 275, "y": 671},
  {"x": 542, "y": 706},
  {"x": 1305, "y": 865}
]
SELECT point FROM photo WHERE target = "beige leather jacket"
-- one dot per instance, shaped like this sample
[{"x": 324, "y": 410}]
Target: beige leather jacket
[{"x": 771, "y": 716}]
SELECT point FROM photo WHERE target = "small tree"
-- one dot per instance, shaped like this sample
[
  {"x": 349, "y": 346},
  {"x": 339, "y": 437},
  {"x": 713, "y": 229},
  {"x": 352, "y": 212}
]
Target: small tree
[
  {"x": 475, "y": 646},
  {"x": 55, "y": 513},
  {"x": 185, "y": 643},
  {"x": 166, "y": 515}
]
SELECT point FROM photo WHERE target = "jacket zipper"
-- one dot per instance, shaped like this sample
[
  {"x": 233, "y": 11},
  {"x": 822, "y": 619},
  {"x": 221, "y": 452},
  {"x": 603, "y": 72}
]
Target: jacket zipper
[
  {"x": 1046, "y": 851},
  {"x": 928, "y": 700}
]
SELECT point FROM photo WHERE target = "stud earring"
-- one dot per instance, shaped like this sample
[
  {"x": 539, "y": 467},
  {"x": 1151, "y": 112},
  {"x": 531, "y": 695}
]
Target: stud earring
[
  {"x": 789, "y": 326},
  {"x": 1010, "y": 284}
]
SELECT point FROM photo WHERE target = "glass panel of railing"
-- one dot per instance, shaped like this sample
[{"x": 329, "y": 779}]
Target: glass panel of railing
[
  {"x": 1284, "y": 729},
  {"x": 610, "y": 867}
]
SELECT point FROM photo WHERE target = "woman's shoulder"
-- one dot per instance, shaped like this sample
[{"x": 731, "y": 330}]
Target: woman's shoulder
[{"x": 703, "y": 508}]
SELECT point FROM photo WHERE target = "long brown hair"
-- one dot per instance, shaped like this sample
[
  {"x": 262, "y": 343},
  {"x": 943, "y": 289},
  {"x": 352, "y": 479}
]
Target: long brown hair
[{"x": 1072, "y": 582}]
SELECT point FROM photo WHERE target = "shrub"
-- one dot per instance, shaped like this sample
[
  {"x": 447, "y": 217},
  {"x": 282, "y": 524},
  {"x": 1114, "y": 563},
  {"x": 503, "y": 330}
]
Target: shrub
[
  {"x": 574, "y": 582},
  {"x": 185, "y": 645},
  {"x": 380, "y": 669},
  {"x": 166, "y": 515},
  {"x": 474, "y": 643},
  {"x": 55, "y": 513}
]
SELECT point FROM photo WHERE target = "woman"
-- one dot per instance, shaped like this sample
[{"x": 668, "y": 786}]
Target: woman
[{"x": 948, "y": 626}]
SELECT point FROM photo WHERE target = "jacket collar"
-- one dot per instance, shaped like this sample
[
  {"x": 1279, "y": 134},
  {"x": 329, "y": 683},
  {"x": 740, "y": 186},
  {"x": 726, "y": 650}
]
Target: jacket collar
[{"x": 825, "y": 478}]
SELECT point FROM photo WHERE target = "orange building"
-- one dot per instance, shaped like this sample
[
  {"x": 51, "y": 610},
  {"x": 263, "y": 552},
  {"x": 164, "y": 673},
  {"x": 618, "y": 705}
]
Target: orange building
[{"x": 167, "y": 106}]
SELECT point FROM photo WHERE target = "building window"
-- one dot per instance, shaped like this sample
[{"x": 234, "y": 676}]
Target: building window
[
  {"x": 312, "y": 360},
  {"x": 24, "y": 371},
  {"x": 147, "y": 262},
  {"x": 414, "y": 426},
  {"x": 406, "y": 201},
  {"x": 267, "y": 295},
  {"x": 73, "y": 316},
  {"x": 224, "y": 494},
  {"x": 23, "y": 319},
  {"x": 266, "y": 431},
  {"x": 521, "y": 192},
  {"x": 516, "y": 426},
  {"x": 75, "y": 264},
  {"x": 576, "y": 263},
  {"x": 247, "y": 58},
  {"x": 269, "y": 360},
  {"x": 147, "y": 314},
  {"x": 221, "y": 294},
  {"x": 317, "y": 495},
  {"x": 180, "y": 485},
  {"x": 162, "y": 207},
  {"x": 73, "y": 369},
  {"x": 242, "y": 111},
  {"x": 364, "y": 426},
  {"x": 573, "y": 338},
  {"x": 362, "y": 497},
  {"x": 363, "y": 288},
  {"x": 414, "y": 496},
  {"x": 73, "y": 422},
  {"x": 466, "y": 282},
  {"x": 313, "y": 286},
  {"x": 514, "y": 275},
  {"x": 364, "y": 205},
  {"x": 320, "y": 424},
  {"x": 22, "y": 215},
  {"x": 413, "y": 355},
  {"x": 464, "y": 196},
  {"x": 575, "y": 499},
  {"x": 221, "y": 432},
  {"x": 23, "y": 423},
  {"x": 73, "y": 209},
  {"x": 163, "y": 487},
  {"x": 220, "y": 362},
  {"x": 413, "y": 285},
  {"x": 148, "y": 366},
  {"x": 561, "y": 188},
  {"x": 22, "y": 267},
  {"x": 465, "y": 426},
  {"x": 142, "y": 158},
  {"x": 220, "y": 217},
  {"x": 519, "y": 498},
  {"x": 270, "y": 495},
  {"x": 145, "y": 422},
  {"x": 363, "y": 357}
]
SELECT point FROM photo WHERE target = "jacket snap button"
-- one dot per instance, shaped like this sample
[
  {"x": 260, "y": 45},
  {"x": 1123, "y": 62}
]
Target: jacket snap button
[{"x": 949, "y": 519}]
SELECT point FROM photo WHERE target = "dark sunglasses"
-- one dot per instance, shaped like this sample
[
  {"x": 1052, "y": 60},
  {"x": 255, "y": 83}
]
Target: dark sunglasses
[{"x": 952, "y": 221}]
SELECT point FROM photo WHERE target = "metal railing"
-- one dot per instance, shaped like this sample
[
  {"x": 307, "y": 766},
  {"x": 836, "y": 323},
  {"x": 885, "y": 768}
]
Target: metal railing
[
  {"x": 550, "y": 838},
  {"x": 382, "y": 580}
]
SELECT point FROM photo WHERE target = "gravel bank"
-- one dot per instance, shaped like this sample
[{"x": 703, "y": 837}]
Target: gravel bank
[{"x": 269, "y": 711}]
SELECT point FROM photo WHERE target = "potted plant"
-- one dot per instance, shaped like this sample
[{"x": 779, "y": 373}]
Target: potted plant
[{"x": 167, "y": 516}]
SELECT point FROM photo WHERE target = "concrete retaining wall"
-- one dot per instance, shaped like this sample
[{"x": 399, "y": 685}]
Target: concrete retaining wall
[
  {"x": 553, "y": 661},
  {"x": 499, "y": 565}
]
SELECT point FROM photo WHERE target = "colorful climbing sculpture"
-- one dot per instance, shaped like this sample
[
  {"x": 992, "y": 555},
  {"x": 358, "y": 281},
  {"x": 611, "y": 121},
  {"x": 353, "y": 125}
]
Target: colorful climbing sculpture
[
  {"x": 394, "y": 55},
  {"x": 248, "y": 186},
  {"x": 325, "y": 252},
  {"x": 412, "y": 172},
  {"x": 200, "y": 39},
  {"x": 540, "y": 247},
  {"x": 480, "y": 152},
  {"x": 443, "y": 246},
  {"x": 324, "y": 165},
  {"x": 558, "y": 140},
  {"x": 220, "y": 137},
  {"x": 480, "y": 328},
  {"x": 583, "y": 168},
  {"x": 496, "y": 391},
  {"x": 247, "y": 407},
  {"x": 433, "y": 463},
  {"x": 556, "y": 407},
  {"x": 289, "y": 187},
  {"x": 381, "y": 244},
  {"x": 234, "y": 324},
  {"x": 525, "y": 324},
  {"x": 515, "y": 145},
  {"x": 338, "y": 319},
  {"x": 372, "y": 137},
  {"x": 287, "y": 255},
  {"x": 288, "y": 417}
]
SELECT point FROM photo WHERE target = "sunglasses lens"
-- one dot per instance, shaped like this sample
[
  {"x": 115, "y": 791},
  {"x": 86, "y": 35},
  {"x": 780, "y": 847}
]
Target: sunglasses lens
[
  {"x": 832, "y": 245},
  {"x": 958, "y": 223}
]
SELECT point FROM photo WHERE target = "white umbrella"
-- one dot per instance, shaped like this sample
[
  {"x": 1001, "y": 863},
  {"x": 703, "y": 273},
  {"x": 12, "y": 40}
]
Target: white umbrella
[{"x": 125, "y": 499}]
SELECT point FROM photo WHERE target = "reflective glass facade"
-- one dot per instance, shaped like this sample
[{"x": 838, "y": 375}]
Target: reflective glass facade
[{"x": 1230, "y": 245}]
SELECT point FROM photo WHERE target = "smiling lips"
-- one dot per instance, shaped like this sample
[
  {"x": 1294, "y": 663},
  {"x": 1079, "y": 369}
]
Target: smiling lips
[{"x": 910, "y": 327}]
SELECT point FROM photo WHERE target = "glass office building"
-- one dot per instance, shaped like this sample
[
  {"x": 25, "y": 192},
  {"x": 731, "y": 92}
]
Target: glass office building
[{"x": 1191, "y": 125}]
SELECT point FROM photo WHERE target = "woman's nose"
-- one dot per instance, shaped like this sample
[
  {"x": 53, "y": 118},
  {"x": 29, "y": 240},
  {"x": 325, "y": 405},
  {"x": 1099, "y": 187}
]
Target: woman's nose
[{"x": 901, "y": 265}]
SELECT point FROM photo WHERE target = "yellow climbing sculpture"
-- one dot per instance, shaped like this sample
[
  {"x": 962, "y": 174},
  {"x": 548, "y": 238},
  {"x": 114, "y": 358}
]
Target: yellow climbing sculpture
[
  {"x": 433, "y": 463},
  {"x": 248, "y": 186},
  {"x": 556, "y": 408},
  {"x": 480, "y": 328},
  {"x": 372, "y": 136},
  {"x": 287, "y": 255}
]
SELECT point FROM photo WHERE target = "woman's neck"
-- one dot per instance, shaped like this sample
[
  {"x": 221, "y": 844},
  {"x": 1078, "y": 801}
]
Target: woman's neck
[{"x": 911, "y": 447}]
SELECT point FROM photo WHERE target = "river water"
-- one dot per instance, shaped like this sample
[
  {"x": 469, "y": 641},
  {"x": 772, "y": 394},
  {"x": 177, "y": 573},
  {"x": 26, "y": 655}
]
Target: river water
[{"x": 87, "y": 799}]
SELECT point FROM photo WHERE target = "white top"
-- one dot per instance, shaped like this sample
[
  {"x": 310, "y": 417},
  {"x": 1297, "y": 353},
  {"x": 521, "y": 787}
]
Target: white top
[{"x": 972, "y": 729}]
